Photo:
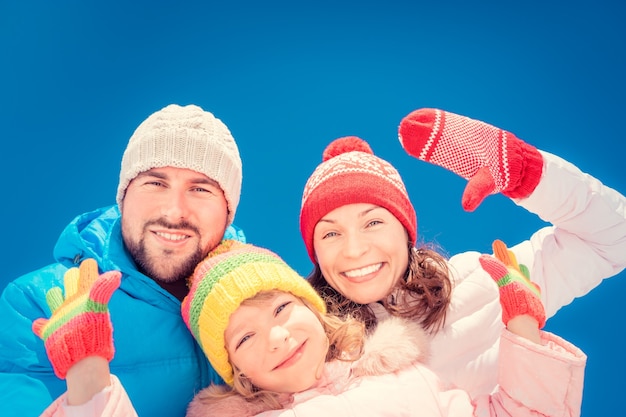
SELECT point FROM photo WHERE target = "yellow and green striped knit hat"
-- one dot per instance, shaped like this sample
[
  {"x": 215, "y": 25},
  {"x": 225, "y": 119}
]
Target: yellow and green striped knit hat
[{"x": 230, "y": 274}]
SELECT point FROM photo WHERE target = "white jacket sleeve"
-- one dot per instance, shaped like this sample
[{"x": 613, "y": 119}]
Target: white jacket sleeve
[
  {"x": 587, "y": 240},
  {"x": 585, "y": 244}
]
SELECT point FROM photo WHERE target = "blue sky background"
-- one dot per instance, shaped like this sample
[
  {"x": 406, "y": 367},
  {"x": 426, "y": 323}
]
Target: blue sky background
[{"x": 77, "y": 77}]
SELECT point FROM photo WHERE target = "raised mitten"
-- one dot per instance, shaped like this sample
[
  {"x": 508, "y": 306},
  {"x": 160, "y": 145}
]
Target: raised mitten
[
  {"x": 80, "y": 325},
  {"x": 492, "y": 159},
  {"x": 518, "y": 294}
]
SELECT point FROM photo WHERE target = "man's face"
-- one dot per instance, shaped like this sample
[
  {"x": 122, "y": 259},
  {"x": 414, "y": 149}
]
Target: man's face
[{"x": 171, "y": 219}]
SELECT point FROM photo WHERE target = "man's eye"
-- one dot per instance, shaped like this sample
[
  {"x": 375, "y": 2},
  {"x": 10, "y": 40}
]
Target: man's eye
[{"x": 155, "y": 183}]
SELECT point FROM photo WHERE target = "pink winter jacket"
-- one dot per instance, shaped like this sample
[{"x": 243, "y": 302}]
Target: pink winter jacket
[{"x": 391, "y": 379}]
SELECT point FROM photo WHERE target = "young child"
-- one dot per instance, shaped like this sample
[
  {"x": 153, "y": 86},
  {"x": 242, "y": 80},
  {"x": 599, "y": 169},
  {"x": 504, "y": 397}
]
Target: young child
[{"x": 265, "y": 330}]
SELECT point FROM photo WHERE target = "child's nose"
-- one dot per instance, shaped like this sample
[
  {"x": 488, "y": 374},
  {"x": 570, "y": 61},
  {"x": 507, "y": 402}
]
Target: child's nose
[{"x": 278, "y": 337}]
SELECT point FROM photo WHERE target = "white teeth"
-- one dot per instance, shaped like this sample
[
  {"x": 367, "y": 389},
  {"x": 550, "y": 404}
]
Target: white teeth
[
  {"x": 355, "y": 273},
  {"x": 171, "y": 236}
]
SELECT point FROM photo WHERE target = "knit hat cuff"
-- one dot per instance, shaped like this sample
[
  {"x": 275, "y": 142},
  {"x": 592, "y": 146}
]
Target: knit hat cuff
[
  {"x": 529, "y": 170},
  {"x": 189, "y": 138},
  {"x": 351, "y": 188}
]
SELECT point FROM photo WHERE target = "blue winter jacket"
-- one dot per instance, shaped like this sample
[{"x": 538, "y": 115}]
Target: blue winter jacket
[{"x": 156, "y": 358}]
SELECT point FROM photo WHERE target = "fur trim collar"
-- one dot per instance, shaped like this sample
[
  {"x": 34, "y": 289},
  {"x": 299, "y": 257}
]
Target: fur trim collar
[{"x": 395, "y": 344}]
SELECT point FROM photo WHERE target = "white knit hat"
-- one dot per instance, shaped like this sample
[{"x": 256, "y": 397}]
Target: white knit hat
[{"x": 184, "y": 137}]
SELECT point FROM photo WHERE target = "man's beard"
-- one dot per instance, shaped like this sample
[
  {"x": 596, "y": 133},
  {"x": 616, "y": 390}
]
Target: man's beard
[
  {"x": 147, "y": 266},
  {"x": 150, "y": 266}
]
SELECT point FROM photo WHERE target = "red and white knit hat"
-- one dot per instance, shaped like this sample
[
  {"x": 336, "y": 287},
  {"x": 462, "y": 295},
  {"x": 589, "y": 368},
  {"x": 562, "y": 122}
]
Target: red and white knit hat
[{"x": 350, "y": 173}]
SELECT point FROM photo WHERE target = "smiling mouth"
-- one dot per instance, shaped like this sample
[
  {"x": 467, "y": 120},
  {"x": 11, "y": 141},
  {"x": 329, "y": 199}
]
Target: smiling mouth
[
  {"x": 172, "y": 237},
  {"x": 361, "y": 272},
  {"x": 292, "y": 358}
]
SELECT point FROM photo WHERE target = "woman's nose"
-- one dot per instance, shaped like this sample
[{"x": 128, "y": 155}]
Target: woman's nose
[{"x": 354, "y": 245}]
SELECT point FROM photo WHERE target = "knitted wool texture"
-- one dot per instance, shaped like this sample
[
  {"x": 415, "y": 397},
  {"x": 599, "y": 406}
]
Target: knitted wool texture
[
  {"x": 230, "y": 274},
  {"x": 80, "y": 325},
  {"x": 518, "y": 294},
  {"x": 184, "y": 137},
  {"x": 493, "y": 159},
  {"x": 351, "y": 173}
]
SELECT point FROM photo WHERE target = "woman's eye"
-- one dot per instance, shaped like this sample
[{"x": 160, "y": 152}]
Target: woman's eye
[
  {"x": 329, "y": 234},
  {"x": 374, "y": 223}
]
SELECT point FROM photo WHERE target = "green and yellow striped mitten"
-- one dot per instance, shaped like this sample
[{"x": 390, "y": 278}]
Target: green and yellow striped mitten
[
  {"x": 518, "y": 294},
  {"x": 80, "y": 325}
]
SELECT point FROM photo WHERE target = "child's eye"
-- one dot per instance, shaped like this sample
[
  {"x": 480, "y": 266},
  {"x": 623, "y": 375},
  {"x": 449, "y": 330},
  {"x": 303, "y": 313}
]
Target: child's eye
[
  {"x": 374, "y": 223},
  {"x": 282, "y": 307},
  {"x": 243, "y": 340}
]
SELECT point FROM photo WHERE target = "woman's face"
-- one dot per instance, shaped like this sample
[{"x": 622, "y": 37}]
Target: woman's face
[
  {"x": 362, "y": 251},
  {"x": 277, "y": 342}
]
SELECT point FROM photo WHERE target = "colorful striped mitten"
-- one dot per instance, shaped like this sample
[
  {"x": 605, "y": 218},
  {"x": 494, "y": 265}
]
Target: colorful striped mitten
[
  {"x": 80, "y": 325},
  {"x": 493, "y": 160},
  {"x": 518, "y": 294}
]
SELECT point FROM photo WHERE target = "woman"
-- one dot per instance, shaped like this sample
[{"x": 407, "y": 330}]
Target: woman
[{"x": 360, "y": 230}]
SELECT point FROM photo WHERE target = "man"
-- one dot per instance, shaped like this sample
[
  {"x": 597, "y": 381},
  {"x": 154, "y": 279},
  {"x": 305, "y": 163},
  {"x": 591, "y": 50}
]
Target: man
[{"x": 180, "y": 183}]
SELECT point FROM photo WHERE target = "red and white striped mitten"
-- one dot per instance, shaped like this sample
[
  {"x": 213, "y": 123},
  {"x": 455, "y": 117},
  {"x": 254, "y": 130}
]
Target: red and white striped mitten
[{"x": 492, "y": 159}]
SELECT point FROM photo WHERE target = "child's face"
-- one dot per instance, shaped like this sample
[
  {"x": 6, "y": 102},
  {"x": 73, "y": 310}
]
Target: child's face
[
  {"x": 362, "y": 251},
  {"x": 277, "y": 342}
]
